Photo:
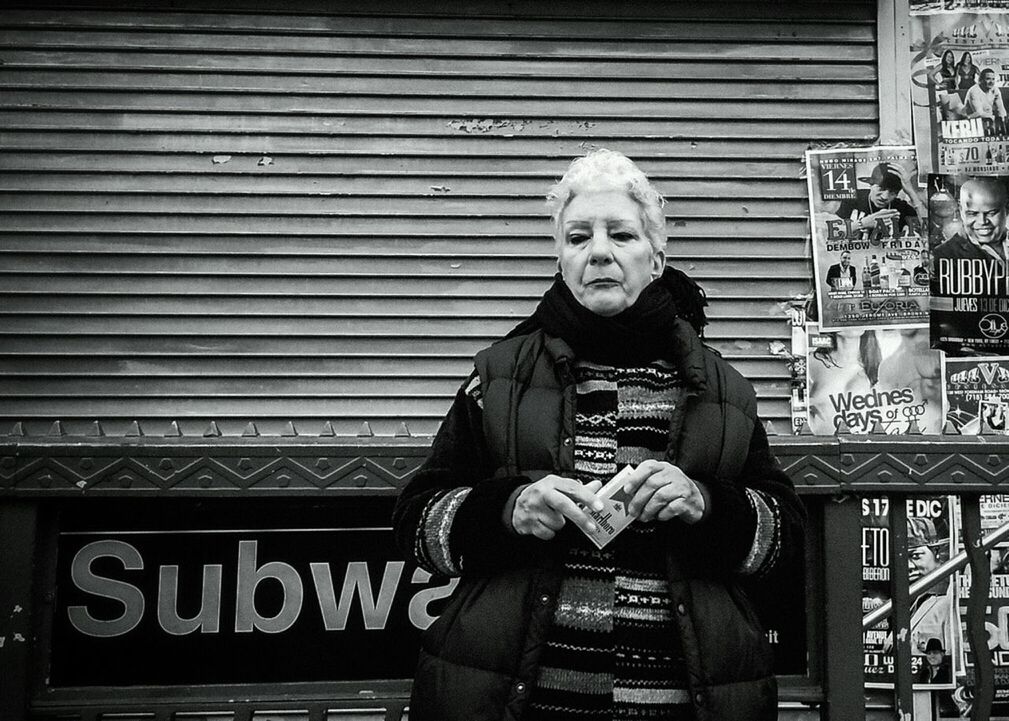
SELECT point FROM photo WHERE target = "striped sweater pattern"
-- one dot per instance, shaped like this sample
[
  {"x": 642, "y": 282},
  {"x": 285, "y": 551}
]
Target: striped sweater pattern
[{"x": 613, "y": 651}]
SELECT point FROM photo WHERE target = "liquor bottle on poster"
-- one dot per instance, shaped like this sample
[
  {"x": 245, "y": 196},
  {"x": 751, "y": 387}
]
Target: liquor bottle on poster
[
  {"x": 866, "y": 275},
  {"x": 904, "y": 280},
  {"x": 884, "y": 275},
  {"x": 874, "y": 272}
]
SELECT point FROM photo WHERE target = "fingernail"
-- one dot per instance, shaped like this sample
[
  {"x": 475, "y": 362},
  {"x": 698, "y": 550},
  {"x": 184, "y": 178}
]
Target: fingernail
[
  {"x": 597, "y": 505},
  {"x": 592, "y": 528}
]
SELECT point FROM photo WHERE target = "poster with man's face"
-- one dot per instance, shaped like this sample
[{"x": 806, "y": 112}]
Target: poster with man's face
[
  {"x": 867, "y": 215},
  {"x": 934, "y": 633},
  {"x": 968, "y": 233},
  {"x": 960, "y": 88}
]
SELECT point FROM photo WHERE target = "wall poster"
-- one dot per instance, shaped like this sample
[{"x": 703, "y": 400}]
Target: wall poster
[
  {"x": 959, "y": 74},
  {"x": 935, "y": 638},
  {"x": 867, "y": 217},
  {"x": 865, "y": 376},
  {"x": 968, "y": 232}
]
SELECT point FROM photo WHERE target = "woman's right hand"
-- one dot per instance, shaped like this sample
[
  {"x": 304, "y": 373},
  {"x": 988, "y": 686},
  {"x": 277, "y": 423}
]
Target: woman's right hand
[{"x": 542, "y": 508}]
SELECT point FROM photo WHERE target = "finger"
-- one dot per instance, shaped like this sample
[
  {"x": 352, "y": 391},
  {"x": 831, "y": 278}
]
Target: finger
[
  {"x": 677, "y": 488},
  {"x": 671, "y": 510},
  {"x": 651, "y": 465},
  {"x": 573, "y": 512},
  {"x": 577, "y": 493},
  {"x": 644, "y": 494},
  {"x": 636, "y": 478},
  {"x": 543, "y": 533},
  {"x": 553, "y": 521},
  {"x": 659, "y": 501},
  {"x": 525, "y": 525},
  {"x": 680, "y": 508},
  {"x": 527, "y": 507}
]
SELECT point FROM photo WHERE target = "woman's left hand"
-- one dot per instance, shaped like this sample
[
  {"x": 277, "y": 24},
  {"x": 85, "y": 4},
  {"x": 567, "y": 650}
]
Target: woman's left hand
[{"x": 661, "y": 490}]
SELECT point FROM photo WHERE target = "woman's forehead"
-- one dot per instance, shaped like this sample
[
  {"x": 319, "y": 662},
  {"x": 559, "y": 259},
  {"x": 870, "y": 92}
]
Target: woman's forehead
[{"x": 604, "y": 204}]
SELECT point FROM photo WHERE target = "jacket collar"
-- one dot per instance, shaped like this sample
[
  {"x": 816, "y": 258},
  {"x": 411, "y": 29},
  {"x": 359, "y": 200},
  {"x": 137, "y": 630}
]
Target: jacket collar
[{"x": 689, "y": 360}]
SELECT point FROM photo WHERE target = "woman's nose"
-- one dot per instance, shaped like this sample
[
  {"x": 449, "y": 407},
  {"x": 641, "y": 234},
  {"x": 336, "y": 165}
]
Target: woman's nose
[{"x": 601, "y": 251}]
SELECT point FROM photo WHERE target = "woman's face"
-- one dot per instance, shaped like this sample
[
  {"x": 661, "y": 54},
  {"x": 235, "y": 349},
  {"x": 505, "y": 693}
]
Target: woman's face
[
  {"x": 605, "y": 257},
  {"x": 948, "y": 59}
]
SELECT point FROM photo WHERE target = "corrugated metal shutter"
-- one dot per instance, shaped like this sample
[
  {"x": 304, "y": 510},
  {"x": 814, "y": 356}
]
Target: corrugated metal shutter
[{"x": 316, "y": 215}]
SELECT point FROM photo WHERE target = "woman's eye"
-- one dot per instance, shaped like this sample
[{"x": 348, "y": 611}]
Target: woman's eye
[
  {"x": 577, "y": 238},
  {"x": 623, "y": 236}
]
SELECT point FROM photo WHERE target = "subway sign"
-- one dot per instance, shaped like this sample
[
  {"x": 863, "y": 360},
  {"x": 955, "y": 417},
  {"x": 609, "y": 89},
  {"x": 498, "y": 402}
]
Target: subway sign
[
  {"x": 246, "y": 593},
  {"x": 174, "y": 606}
]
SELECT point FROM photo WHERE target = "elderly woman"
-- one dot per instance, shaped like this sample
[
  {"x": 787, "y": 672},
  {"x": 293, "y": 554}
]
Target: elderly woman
[{"x": 608, "y": 372}]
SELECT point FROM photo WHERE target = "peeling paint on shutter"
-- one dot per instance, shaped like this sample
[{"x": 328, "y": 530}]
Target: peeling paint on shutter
[{"x": 309, "y": 216}]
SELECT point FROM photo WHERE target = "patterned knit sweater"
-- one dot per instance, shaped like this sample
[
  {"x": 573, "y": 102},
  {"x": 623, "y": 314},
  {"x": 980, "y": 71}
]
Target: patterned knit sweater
[{"x": 613, "y": 651}]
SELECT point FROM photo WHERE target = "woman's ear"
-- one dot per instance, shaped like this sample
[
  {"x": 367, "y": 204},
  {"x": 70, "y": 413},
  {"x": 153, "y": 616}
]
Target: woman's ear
[{"x": 658, "y": 263}]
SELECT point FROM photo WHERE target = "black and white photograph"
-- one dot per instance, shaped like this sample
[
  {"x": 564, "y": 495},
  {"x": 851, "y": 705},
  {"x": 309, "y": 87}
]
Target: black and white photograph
[{"x": 503, "y": 361}]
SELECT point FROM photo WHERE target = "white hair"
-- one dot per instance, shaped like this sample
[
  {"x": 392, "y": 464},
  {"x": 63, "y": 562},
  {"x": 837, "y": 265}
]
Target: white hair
[{"x": 603, "y": 169}]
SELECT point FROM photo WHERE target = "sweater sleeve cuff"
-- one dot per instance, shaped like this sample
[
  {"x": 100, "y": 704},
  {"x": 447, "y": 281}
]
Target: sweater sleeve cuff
[
  {"x": 480, "y": 541},
  {"x": 766, "y": 547}
]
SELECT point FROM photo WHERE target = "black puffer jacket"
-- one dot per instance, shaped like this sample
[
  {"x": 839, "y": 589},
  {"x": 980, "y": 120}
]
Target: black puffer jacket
[{"x": 479, "y": 660}]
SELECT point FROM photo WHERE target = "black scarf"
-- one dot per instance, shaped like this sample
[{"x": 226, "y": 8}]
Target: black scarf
[{"x": 664, "y": 322}]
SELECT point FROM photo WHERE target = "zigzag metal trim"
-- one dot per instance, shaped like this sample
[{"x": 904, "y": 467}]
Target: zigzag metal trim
[
  {"x": 69, "y": 466},
  {"x": 253, "y": 466}
]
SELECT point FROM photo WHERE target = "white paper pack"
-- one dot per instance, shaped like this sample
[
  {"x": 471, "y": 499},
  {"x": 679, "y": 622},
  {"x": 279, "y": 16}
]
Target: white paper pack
[{"x": 614, "y": 517}]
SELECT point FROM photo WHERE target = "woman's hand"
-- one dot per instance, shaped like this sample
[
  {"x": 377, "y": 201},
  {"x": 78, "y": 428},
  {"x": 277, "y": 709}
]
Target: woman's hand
[
  {"x": 661, "y": 490},
  {"x": 543, "y": 507}
]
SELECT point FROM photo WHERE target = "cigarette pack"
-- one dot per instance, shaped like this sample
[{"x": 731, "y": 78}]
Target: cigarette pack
[{"x": 614, "y": 517}]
